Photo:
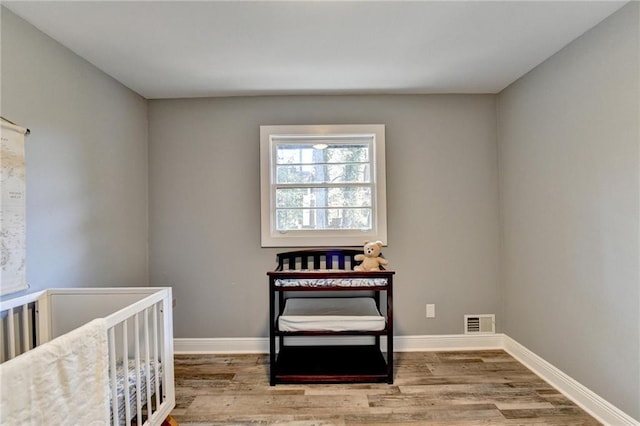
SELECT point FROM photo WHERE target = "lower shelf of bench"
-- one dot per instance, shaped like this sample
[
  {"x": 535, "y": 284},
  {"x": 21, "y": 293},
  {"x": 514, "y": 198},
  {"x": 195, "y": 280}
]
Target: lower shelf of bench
[{"x": 331, "y": 364}]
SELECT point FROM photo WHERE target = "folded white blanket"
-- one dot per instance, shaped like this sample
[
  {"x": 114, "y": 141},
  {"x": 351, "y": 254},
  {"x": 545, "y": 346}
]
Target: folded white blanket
[{"x": 64, "y": 381}]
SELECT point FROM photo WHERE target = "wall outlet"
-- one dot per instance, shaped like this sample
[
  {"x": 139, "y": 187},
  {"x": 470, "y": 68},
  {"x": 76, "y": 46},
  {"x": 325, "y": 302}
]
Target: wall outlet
[{"x": 431, "y": 310}]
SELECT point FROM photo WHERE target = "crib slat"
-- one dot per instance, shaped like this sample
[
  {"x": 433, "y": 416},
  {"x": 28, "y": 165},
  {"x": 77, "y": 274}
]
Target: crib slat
[
  {"x": 136, "y": 322},
  {"x": 161, "y": 344},
  {"x": 125, "y": 361},
  {"x": 25, "y": 328},
  {"x": 114, "y": 381},
  {"x": 12, "y": 335},
  {"x": 147, "y": 361},
  {"x": 3, "y": 340},
  {"x": 155, "y": 353}
]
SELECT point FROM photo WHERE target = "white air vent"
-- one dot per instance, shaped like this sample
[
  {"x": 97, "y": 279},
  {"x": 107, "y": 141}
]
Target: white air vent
[{"x": 480, "y": 324}]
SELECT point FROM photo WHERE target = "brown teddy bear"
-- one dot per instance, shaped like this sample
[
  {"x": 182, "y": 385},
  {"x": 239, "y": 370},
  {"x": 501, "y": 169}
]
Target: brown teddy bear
[{"x": 370, "y": 259}]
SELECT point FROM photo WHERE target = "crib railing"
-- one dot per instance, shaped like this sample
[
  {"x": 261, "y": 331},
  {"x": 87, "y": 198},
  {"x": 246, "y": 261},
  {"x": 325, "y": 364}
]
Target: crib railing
[
  {"x": 137, "y": 338},
  {"x": 139, "y": 335},
  {"x": 19, "y": 327}
]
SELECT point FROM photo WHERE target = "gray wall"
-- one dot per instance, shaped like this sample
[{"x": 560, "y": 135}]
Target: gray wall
[
  {"x": 568, "y": 152},
  {"x": 568, "y": 137},
  {"x": 86, "y": 160},
  {"x": 205, "y": 205}
]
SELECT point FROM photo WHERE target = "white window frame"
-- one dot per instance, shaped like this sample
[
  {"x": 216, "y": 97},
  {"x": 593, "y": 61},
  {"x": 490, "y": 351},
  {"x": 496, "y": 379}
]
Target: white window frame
[{"x": 270, "y": 237}]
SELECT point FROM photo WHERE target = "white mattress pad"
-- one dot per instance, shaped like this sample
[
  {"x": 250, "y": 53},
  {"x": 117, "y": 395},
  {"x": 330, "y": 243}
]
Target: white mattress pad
[{"x": 331, "y": 314}]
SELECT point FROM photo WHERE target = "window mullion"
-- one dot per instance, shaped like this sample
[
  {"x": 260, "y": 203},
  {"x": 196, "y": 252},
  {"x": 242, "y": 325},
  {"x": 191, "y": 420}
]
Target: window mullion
[{"x": 324, "y": 185}]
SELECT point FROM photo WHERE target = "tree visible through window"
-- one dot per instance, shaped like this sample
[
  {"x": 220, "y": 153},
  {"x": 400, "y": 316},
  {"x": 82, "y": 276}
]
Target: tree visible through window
[{"x": 322, "y": 185}]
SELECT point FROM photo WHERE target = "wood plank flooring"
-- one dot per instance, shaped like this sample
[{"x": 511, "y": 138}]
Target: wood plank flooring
[{"x": 430, "y": 388}]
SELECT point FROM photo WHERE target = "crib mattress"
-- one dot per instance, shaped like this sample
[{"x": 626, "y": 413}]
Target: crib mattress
[
  {"x": 130, "y": 375},
  {"x": 331, "y": 314}
]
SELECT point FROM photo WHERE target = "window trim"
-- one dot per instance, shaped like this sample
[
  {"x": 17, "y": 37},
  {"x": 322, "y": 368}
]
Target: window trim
[{"x": 322, "y": 238}]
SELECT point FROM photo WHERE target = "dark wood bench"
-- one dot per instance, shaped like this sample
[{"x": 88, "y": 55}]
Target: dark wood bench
[{"x": 324, "y": 363}]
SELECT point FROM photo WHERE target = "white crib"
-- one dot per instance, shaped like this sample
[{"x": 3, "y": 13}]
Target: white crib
[{"x": 135, "y": 329}]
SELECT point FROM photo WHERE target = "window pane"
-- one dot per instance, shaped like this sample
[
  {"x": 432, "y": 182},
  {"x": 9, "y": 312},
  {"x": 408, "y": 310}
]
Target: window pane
[
  {"x": 347, "y": 153},
  {"x": 325, "y": 173},
  {"x": 323, "y": 219},
  {"x": 296, "y": 154},
  {"x": 359, "y": 196}
]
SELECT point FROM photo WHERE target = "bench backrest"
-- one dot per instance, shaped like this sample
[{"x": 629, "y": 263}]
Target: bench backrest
[{"x": 314, "y": 259}]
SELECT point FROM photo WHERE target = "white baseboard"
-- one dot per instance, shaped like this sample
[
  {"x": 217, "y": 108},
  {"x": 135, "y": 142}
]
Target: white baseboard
[
  {"x": 448, "y": 342},
  {"x": 401, "y": 343},
  {"x": 598, "y": 407},
  {"x": 593, "y": 404}
]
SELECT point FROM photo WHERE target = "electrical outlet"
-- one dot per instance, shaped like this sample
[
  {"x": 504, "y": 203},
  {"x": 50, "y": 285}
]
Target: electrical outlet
[{"x": 431, "y": 310}]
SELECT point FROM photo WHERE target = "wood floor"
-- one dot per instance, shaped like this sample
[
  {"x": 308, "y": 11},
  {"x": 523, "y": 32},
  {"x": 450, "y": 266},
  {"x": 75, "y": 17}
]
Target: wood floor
[{"x": 430, "y": 388}]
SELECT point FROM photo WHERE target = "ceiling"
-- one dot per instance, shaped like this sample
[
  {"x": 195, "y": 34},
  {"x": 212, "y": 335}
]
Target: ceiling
[{"x": 176, "y": 49}]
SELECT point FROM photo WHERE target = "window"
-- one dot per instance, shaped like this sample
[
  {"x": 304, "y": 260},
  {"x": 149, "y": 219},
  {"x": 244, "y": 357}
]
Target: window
[{"x": 322, "y": 185}]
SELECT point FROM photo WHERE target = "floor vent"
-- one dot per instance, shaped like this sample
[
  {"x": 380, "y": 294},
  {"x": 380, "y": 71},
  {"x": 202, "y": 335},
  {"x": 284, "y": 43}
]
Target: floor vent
[{"x": 480, "y": 324}]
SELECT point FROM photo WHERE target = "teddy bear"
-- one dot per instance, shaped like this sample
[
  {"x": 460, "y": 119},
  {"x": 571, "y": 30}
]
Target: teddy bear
[{"x": 370, "y": 259}]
